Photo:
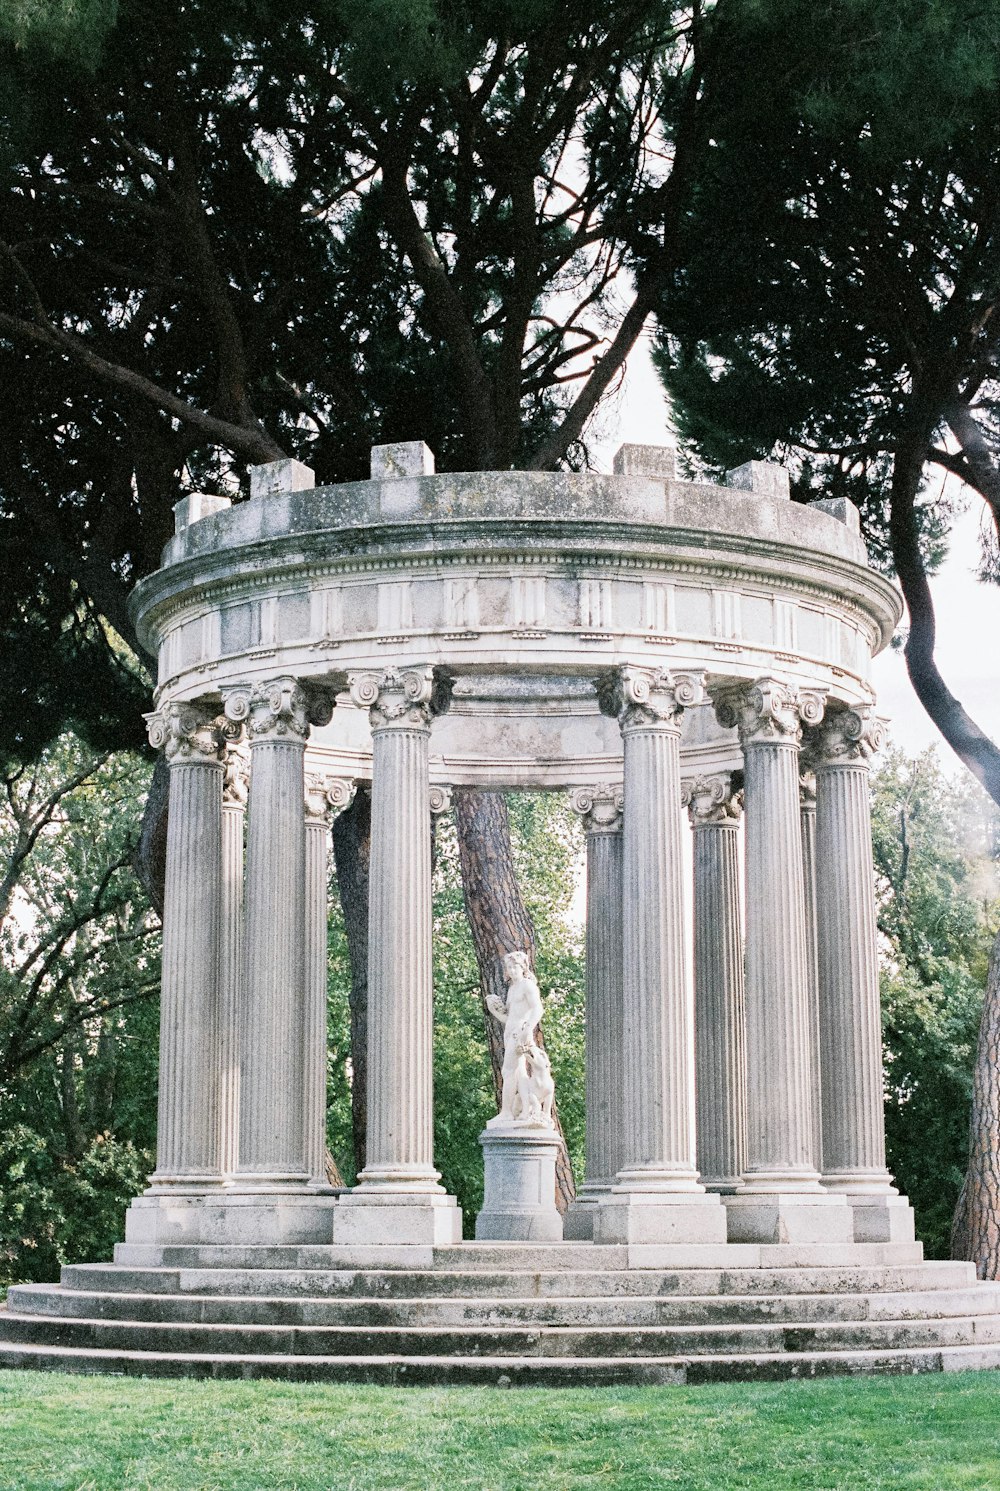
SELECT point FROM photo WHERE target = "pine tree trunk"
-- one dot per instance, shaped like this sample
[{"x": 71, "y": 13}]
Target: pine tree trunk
[
  {"x": 351, "y": 853},
  {"x": 150, "y": 858},
  {"x": 500, "y": 924},
  {"x": 975, "y": 1233}
]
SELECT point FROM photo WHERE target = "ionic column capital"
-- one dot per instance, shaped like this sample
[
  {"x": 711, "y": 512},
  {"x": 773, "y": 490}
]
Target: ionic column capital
[
  {"x": 847, "y": 737},
  {"x": 186, "y": 732},
  {"x": 327, "y": 797},
  {"x": 281, "y": 709},
  {"x": 440, "y": 797},
  {"x": 769, "y": 712},
  {"x": 712, "y": 800},
  {"x": 406, "y": 698},
  {"x": 599, "y": 807},
  {"x": 643, "y": 697}
]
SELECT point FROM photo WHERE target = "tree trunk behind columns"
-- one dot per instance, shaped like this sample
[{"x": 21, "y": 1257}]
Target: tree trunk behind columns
[
  {"x": 351, "y": 853},
  {"x": 975, "y": 1231},
  {"x": 150, "y": 858},
  {"x": 500, "y": 924}
]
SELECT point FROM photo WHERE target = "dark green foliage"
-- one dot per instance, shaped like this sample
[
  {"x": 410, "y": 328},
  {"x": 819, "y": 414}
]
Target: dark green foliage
[
  {"x": 232, "y": 231},
  {"x": 841, "y": 244},
  {"x": 79, "y": 966},
  {"x": 938, "y": 913}
]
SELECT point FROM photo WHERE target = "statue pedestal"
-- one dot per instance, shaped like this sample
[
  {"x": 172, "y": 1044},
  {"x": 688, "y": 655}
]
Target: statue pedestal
[{"x": 519, "y": 1204}]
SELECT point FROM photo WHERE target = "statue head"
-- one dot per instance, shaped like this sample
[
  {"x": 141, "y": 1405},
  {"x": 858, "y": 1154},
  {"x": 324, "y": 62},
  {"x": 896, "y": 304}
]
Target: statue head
[{"x": 515, "y": 965}]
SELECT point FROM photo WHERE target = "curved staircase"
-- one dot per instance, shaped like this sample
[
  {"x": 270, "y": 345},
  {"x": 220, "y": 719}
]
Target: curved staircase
[{"x": 556, "y": 1314}]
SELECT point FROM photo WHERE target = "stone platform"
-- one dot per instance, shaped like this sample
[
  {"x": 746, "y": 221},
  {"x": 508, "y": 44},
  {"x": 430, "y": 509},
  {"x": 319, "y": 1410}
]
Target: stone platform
[{"x": 507, "y": 1314}]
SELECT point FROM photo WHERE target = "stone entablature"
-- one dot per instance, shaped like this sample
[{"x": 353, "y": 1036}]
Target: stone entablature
[
  {"x": 523, "y": 587},
  {"x": 554, "y": 571}
]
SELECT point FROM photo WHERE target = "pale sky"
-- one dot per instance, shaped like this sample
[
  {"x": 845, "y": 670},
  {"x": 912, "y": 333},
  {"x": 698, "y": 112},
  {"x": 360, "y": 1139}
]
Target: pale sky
[{"x": 968, "y": 612}]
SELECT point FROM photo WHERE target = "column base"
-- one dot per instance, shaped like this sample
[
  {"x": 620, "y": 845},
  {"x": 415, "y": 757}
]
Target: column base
[
  {"x": 660, "y": 1217},
  {"x": 231, "y": 1217},
  {"x": 578, "y": 1220},
  {"x": 377, "y": 1215},
  {"x": 793, "y": 1216},
  {"x": 519, "y": 1192},
  {"x": 726, "y": 1185}
]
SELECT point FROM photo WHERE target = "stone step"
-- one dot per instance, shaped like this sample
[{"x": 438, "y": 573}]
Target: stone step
[
  {"x": 583, "y": 1310},
  {"x": 541, "y": 1340},
  {"x": 397, "y": 1371},
  {"x": 367, "y": 1283},
  {"x": 526, "y": 1257}
]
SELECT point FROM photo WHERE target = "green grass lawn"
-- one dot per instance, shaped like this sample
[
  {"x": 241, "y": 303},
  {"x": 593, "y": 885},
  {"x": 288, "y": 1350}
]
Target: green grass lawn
[{"x": 110, "y": 1434}]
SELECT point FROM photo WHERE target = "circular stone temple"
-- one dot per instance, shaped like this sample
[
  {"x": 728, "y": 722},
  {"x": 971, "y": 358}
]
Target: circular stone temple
[{"x": 669, "y": 653}]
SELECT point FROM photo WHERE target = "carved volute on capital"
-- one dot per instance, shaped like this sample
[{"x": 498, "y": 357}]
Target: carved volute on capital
[
  {"x": 599, "y": 807},
  {"x": 640, "y": 697},
  {"x": 187, "y": 732},
  {"x": 340, "y": 793},
  {"x": 847, "y": 737},
  {"x": 440, "y": 799},
  {"x": 712, "y": 800},
  {"x": 405, "y": 698},
  {"x": 326, "y": 797},
  {"x": 279, "y": 709},
  {"x": 768, "y": 711}
]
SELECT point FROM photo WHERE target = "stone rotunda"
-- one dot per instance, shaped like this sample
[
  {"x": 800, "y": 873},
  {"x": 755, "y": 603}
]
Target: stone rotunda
[{"x": 662, "y": 651}]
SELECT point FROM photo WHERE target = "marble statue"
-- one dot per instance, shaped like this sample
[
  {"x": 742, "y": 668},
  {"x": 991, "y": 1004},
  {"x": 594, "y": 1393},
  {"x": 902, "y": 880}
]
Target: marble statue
[{"x": 528, "y": 1088}]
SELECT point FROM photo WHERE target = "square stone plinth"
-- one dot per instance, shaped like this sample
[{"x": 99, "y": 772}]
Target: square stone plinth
[
  {"x": 788, "y": 1217},
  {"x": 881, "y": 1219},
  {"x": 660, "y": 1217},
  {"x": 578, "y": 1220},
  {"x": 373, "y": 1217},
  {"x": 231, "y": 1218}
]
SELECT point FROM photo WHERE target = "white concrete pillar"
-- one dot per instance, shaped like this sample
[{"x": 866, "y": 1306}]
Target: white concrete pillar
[
  {"x": 234, "y": 801},
  {"x": 272, "y": 1068},
  {"x": 719, "y": 1018},
  {"x": 398, "y": 1197},
  {"x": 188, "y": 1151},
  {"x": 807, "y": 825},
  {"x": 850, "y": 1020},
  {"x": 781, "y": 1199},
  {"x": 325, "y": 798},
  {"x": 656, "y": 1197},
  {"x": 601, "y": 811}
]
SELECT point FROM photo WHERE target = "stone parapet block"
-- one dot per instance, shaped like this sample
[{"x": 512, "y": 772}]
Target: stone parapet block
[
  {"x": 763, "y": 478},
  {"x": 274, "y": 477}
]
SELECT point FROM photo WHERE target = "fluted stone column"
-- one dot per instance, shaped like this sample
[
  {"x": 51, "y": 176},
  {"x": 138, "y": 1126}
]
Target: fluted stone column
[
  {"x": 398, "y": 1197},
  {"x": 807, "y": 824},
  {"x": 272, "y": 1077},
  {"x": 188, "y": 1150},
  {"x": 656, "y": 1197},
  {"x": 719, "y": 1018},
  {"x": 234, "y": 803},
  {"x": 325, "y": 798},
  {"x": 601, "y": 810},
  {"x": 850, "y": 1021},
  {"x": 781, "y": 1199}
]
